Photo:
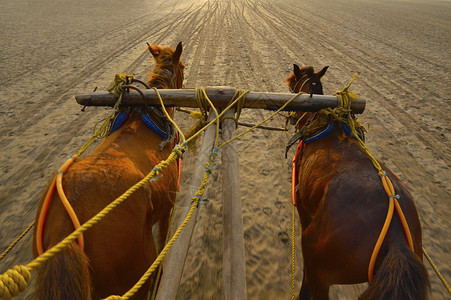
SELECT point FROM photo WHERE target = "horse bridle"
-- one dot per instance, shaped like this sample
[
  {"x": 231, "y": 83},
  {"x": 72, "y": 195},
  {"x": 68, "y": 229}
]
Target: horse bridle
[
  {"x": 294, "y": 88},
  {"x": 314, "y": 84}
]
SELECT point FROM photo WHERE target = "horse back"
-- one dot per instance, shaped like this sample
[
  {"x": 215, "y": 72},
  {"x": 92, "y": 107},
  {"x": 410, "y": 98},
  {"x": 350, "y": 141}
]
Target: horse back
[
  {"x": 343, "y": 206},
  {"x": 122, "y": 242}
]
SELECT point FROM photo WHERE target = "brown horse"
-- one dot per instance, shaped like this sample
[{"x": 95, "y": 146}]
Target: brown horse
[
  {"x": 342, "y": 206},
  {"x": 120, "y": 248}
]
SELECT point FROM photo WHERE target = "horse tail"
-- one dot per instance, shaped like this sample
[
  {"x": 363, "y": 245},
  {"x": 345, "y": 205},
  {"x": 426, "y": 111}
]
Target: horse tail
[
  {"x": 401, "y": 276},
  {"x": 65, "y": 276}
]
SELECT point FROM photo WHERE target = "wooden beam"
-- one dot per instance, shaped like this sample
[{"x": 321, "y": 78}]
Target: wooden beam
[
  {"x": 175, "y": 259},
  {"x": 234, "y": 262},
  {"x": 220, "y": 96}
]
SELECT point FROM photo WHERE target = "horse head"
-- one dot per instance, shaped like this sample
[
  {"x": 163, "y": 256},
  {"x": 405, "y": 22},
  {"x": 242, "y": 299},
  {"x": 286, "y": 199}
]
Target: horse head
[
  {"x": 305, "y": 80},
  {"x": 169, "y": 68}
]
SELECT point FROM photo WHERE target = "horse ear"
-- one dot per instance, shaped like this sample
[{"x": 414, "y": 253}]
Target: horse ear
[
  {"x": 322, "y": 72},
  {"x": 297, "y": 71},
  {"x": 154, "y": 50},
  {"x": 177, "y": 53}
]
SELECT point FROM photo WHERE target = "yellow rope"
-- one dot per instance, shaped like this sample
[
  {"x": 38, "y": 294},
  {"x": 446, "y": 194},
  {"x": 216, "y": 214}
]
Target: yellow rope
[
  {"x": 181, "y": 135},
  {"x": 239, "y": 106},
  {"x": 240, "y": 103},
  {"x": 16, "y": 241},
  {"x": 194, "y": 204},
  {"x": 293, "y": 250},
  {"x": 437, "y": 271},
  {"x": 14, "y": 281},
  {"x": 214, "y": 121},
  {"x": 202, "y": 104},
  {"x": 201, "y": 93},
  {"x": 262, "y": 122},
  {"x": 119, "y": 81}
]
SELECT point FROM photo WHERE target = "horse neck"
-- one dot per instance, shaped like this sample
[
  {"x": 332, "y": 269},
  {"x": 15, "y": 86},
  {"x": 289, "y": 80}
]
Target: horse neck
[{"x": 161, "y": 78}]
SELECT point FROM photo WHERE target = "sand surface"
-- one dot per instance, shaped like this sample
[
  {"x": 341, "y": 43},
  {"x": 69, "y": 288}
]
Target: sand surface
[{"x": 51, "y": 51}]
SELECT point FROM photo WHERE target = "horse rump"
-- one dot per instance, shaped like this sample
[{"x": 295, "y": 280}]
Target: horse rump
[
  {"x": 401, "y": 276},
  {"x": 64, "y": 276}
]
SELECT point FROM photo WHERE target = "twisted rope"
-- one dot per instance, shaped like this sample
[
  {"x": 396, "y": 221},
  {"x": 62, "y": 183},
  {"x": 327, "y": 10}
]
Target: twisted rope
[
  {"x": 239, "y": 94},
  {"x": 14, "y": 281},
  {"x": 16, "y": 241},
  {"x": 437, "y": 271}
]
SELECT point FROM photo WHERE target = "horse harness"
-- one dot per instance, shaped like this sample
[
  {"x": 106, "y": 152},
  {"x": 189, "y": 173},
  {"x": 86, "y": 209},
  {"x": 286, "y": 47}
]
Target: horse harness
[
  {"x": 153, "y": 117},
  {"x": 307, "y": 135}
]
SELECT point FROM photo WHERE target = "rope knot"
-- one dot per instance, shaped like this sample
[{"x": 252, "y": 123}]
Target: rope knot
[
  {"x": 196, "y": 115},
  {"x": 179, "y": 150},
  {"x": 14, "y": 281},
  {"x": 196, "y": 200},
  {"x": 157, "y": 175},
  {"x": 346, "y": 88},
  {"x": 119, "y": 81},
  {"x": 382, "y": 174},
  {"x": 210, "y": 166}
]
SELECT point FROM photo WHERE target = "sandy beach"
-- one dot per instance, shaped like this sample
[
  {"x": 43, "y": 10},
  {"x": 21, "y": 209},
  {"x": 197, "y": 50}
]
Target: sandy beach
[{"x": 51, "y": 51}]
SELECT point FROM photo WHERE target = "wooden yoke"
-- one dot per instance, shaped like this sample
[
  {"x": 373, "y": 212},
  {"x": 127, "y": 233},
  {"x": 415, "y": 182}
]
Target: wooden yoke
[{"x": 221, "y": 96}]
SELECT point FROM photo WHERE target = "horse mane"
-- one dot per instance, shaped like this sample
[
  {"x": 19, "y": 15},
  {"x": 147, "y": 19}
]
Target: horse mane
[
  {"x": 163, "y": 63},
  {"x": 290, "y": 79},
  {"x": 157, "y": 80}
]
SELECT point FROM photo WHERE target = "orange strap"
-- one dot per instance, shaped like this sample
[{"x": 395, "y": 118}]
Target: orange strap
[
  {"x": 42, "y": 214},
  {"x": 58, "y": 182},
  {"x": 393, "y": 203},
  {"x": 294, "y": 172}
]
